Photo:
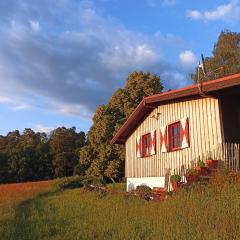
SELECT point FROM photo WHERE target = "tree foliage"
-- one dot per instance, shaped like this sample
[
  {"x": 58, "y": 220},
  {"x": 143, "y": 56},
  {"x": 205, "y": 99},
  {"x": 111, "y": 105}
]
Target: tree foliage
[
  {"x": 225, "y": 59},
  {"x": 98, "y": 157},
  {"x": 65, "y": 145},
  {"x": 35, "y": 156}
]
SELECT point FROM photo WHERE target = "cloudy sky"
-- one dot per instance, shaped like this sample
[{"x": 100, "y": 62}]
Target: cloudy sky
[{"x": 59, "y": 59}]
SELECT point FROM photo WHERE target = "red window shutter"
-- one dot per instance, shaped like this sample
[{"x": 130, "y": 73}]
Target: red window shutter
[
  {"x": 184, "y": 133},
  {"x": 138, "y": 147},
  {"x": 163, "y": 139},
  {"x": 153, "y": 142}
]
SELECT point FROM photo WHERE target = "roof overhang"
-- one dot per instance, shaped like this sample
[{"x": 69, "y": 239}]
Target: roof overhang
[{"x": 149, "y": 103}]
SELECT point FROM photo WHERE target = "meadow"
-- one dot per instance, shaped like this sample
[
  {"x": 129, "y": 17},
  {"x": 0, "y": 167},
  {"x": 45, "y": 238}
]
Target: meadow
[{"x": 200, "y": 212}]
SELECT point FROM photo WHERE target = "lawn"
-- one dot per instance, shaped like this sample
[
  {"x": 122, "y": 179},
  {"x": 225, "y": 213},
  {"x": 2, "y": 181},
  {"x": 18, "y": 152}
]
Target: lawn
[{"x": 211, "y": 212}]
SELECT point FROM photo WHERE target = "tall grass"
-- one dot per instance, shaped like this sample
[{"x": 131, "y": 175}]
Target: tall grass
[
  {"x": 11, "y": 195},
  {"x": 200, "y": 212}
]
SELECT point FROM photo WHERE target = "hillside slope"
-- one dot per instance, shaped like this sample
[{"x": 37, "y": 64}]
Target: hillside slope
[{"x": 202, "y": 212}]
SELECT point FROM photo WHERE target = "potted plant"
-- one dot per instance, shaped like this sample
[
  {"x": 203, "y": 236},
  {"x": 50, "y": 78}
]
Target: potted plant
[
  {"x": 175, "y": 181},
  {"x": 213, "y": 164},
  {"x": 201, "y": 168},
  {"x": 191, "y": 175}
]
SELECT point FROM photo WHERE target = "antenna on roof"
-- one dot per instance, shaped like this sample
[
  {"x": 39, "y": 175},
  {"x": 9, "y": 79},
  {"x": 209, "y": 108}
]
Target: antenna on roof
[{"x": 202, "y": 67}]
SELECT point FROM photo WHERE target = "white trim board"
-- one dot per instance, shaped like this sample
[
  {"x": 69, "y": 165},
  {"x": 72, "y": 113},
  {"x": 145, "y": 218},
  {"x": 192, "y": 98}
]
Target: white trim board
[{"x": 151, "y": 182}]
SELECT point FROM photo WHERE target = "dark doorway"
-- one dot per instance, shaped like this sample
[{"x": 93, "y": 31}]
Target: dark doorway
[{"x": 230, "y": 108}]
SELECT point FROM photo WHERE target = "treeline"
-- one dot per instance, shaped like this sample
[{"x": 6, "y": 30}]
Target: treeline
[{"x": 32, "y": 156}]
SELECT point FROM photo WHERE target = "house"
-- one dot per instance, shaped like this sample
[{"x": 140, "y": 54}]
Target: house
[{"x": 171, "y": 130}]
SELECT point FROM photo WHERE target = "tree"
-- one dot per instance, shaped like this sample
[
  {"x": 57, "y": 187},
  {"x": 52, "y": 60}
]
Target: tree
[
  {"x": 65, "y": 144},
  {"x": 225, "y": 59},
  {"x": 98, "y": 157},
  {"x": 113, "y": 169},
  {"x": 30, "y": 158},
  {"x": 4, "y": 176},
  {"x": 34, "y": 156}
]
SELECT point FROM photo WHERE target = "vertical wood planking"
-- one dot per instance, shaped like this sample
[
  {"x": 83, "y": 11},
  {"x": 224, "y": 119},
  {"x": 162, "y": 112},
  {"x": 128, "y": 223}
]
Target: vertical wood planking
[{"x": 204, "y": 132}]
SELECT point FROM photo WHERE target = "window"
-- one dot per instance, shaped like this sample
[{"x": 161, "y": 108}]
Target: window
[
  {"x": 146, "y": 145},
  {"x": 175, "y": 136}
]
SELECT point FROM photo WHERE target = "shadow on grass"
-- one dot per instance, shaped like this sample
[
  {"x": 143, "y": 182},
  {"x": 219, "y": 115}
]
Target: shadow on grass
[{"x": 31, "y": 220}]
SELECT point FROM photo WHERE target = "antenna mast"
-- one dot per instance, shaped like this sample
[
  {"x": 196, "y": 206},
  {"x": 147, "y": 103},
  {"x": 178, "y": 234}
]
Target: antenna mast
[{"x": 201, "y": 66}]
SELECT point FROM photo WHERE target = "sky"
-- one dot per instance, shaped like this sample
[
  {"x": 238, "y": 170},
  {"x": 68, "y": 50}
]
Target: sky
[{"x": 60, "y": 59}]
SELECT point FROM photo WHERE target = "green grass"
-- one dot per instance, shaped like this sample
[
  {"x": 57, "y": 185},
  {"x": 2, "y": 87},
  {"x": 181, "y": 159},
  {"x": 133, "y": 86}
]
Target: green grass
[
  {"x": 198, "y": 213},
  {"x": 11, "y": 196}
]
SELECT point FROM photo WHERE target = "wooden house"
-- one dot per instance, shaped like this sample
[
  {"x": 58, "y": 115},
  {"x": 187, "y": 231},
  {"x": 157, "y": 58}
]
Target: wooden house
[{"x": 171, "y": 130}]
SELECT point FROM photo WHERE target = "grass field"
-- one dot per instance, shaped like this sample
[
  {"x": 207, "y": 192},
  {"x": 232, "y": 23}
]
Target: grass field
[
  {"x": 198, "y": 213},
  {"x": 11, "y": 196}
]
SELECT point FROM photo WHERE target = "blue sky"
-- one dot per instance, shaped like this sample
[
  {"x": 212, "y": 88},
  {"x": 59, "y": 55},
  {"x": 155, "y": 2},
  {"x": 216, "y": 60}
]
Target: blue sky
[{"x": 60, "y": 59}]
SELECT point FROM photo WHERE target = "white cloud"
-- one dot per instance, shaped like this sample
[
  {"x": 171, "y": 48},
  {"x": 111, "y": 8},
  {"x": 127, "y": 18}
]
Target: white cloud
[
  {"x": 34, "y": 25},
  {"x": 227, "y": 12},
  {"x": 187, "y": 59},
  {"x": 4, "y": 99},
  {"x": 43, "y": 128},
  {"x": 73, "y": 63},
  {"x": 76, "y": 110},
  {"x": 194, "y": 14},
  {"x": 175, "y": 79},
  {"x": 21, "y": 106},
  {"x": 138, "y": 56},
  {"x": 16, "y": 104}
]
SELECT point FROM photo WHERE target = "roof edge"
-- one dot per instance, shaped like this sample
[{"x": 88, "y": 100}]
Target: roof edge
[{"x": 192, "y": 90}]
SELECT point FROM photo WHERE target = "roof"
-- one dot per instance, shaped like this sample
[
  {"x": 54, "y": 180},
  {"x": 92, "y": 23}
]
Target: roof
[{"x": 149, "y": 103}]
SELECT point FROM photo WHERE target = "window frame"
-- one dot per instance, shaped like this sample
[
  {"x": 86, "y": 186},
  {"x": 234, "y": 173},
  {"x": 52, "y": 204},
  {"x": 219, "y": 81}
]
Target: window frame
[
  {"x": 144, "y": 145},
  {"x": 172, "y": 138}
]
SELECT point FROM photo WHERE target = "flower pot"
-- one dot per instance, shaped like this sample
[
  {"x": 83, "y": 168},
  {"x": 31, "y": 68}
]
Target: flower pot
[
  {"x": 191, "y": 178},
  {"x": 212, "y": 163},
  {"x": 201, "y": 170},
  {"x": 176, "y": 185}
]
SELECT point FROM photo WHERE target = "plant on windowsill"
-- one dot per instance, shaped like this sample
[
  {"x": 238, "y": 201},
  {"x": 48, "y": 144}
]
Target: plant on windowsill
[
  {"x": 191, "y": 175},
  {"x": 201, "y": 168},
  {"x": 176, "y": 182}
]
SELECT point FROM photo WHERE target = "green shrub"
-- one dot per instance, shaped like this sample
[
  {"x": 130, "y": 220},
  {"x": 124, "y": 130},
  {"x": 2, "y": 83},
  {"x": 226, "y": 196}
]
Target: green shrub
[
  {"x": 201, "y": 163},
  {"x": 92, "y": 183},
  {"x": 144, "y": 192},
  {"x": 78, "y": 181},
  {"x": 175, "y": 178},
  {"x": 80, "y": 169},
  {"x": 191, "y": 171},
  {"x": 70, "y": 182}
]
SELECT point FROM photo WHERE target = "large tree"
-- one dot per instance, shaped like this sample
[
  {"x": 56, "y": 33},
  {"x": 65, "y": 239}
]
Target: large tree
[
  {"x": 65, "y": 144},
  {"x": 225, "y": 59},
  {"x": 98, "y": 157}
]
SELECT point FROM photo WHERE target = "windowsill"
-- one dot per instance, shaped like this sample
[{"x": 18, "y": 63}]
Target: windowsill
[{"x": 175, "y": 149}]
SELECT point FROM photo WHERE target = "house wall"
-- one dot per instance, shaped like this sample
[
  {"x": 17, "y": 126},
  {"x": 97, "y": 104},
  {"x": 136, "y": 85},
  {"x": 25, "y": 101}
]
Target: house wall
[{"x": 205, "y": 134}]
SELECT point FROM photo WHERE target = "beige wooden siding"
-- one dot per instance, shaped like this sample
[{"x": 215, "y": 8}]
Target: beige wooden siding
[{"x": 204, "y": 135}]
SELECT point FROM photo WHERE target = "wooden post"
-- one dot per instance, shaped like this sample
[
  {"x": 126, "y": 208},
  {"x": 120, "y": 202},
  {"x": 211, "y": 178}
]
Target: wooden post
[{"x": 167, "y": 180}]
